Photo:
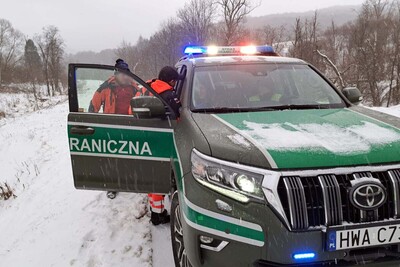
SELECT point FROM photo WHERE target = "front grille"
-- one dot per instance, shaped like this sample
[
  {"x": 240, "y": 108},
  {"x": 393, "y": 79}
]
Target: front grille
[
  {"x": 297, "y": 202},
  {"x": 331, "y": 199},
  {"x": 324, "y": 200}
]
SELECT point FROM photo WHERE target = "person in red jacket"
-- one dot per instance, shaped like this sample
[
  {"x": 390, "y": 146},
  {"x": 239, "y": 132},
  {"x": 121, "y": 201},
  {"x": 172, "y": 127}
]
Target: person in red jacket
[
  {"x": 114, "y": 96},
  {"x": 164, "y": 86}
]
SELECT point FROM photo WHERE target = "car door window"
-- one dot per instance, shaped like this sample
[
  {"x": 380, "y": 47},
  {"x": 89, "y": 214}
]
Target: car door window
[
  {"x": 106, "y": 90},
  {"x": 110, "y": 148}
]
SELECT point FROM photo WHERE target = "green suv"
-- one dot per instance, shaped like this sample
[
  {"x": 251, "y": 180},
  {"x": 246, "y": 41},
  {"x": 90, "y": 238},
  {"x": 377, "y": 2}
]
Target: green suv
[{"x": 268, "y": 163}]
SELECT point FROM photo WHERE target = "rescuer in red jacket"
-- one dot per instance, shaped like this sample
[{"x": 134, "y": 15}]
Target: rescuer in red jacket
[
  {"x": 164, "y": 86},
  {"x": 114, "y": 96}
]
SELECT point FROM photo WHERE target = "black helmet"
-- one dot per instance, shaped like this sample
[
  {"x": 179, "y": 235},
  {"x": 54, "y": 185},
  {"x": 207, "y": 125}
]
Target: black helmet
[{"x": 168, "y": 74}]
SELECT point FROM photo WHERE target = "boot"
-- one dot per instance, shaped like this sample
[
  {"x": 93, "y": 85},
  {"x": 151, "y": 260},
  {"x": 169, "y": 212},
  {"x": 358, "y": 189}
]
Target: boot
[{"x": 159, "y": 218}]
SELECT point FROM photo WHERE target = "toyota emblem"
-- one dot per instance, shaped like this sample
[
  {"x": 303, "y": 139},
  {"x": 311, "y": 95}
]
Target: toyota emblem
[{"x": 368, "y": 195}]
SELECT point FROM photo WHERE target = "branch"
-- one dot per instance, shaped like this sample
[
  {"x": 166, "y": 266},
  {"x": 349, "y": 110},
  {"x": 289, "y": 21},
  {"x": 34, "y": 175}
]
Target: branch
[{"x": 325, "y": 57}]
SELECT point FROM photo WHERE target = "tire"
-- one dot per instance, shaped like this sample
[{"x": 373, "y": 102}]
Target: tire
[{"x": 178, "y": 246}]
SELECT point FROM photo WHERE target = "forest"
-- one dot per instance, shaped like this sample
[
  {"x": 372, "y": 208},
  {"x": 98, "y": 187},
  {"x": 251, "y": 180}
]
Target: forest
[{"x": 363, "y": 53}]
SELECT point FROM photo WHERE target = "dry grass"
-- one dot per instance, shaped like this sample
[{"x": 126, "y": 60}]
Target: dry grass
[{"x": 6, "y": 192}]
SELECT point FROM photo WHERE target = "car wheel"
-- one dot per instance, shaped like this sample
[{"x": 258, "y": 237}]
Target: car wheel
[{"x": 178, "y": 246}]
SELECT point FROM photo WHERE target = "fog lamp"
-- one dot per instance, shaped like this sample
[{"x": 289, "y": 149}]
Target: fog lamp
[{"x": 206, "y": 239}]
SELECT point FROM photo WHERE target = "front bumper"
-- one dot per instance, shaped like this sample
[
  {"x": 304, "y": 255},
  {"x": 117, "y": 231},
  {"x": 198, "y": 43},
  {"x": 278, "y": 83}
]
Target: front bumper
[{"x": 245, "y": 247}]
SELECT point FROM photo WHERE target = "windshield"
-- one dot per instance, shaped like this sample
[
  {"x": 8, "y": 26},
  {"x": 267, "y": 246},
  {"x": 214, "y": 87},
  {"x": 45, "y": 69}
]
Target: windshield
[{"x": 261, "y": 86}]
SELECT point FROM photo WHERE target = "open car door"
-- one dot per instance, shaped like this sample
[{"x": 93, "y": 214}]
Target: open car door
[{"x": 128, "y": 153}]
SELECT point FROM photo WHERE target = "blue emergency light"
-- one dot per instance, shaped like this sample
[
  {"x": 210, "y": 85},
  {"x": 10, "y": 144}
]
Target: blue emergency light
[
  {"x": 304, "y": 256},
  {"x": 228, "y": 50},
  {"x": 195, "y": 50}
]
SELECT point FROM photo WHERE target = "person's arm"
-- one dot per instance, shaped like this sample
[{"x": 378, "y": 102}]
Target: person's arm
[
  {"x": 172, "y": 99},
  {"x": 98, "y": 99},
  {"x": 96, "y": 102}
]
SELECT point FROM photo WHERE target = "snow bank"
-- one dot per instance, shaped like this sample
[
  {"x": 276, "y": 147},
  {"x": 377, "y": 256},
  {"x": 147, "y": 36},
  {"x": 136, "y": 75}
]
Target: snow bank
[
  {"x": 17, "y": 104},
  {"x": 351, "y": 140},
  {"x": 50, "y": 223},
  {"x": 394, "y": 110}
]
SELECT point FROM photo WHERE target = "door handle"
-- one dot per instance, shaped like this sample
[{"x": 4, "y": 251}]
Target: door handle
[{"x": 82, "y": 130}]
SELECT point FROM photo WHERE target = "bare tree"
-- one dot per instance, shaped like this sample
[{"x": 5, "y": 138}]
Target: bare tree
[
  {"x": 334, "y": 51},
  {"x": 197, "y": 18},
  {"x": 32, "y": 65},
  {"x": 342, "y": 84},
  {"x": 234, "y": 13},
  {"x": 393, "y": 95},
  {"x": 148, "y": 56},
  {"x": 363, "y": 53},
  {"x": 10, "y": 46},
  {"x": 129, "y": 54},
  {"x": 370, "y": 43},
  {"x": 274, "y": 36},
  {"x": 167, "y": 43},
  {"x": 144, "y": 66},
  {"x": 51, "y": 47},
  {"x": 307, "y": 41}
]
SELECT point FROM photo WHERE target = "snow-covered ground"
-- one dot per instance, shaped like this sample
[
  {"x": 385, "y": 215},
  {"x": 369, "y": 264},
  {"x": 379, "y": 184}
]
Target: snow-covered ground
[
  {"x": 395, "y": 110},
  {"x": 17, "y": 104},
  {"x": 50, "y": 223}
]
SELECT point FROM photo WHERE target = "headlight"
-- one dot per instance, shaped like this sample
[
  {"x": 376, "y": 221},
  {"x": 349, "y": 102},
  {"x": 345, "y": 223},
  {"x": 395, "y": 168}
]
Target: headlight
[{"x": 231, "y": 179}]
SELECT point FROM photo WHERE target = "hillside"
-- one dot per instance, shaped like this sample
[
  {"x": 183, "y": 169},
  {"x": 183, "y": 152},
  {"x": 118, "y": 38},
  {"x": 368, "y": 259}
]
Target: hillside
[
  {"x": 340, "y": 14},
  {"x": 106, "y": 57}
]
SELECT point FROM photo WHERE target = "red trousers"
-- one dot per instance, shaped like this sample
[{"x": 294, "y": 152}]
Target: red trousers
[{"x": 156, "y": 203}]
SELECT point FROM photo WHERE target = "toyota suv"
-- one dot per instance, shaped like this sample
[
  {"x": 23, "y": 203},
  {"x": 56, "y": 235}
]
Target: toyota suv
[{"x": 268, "y": 163}]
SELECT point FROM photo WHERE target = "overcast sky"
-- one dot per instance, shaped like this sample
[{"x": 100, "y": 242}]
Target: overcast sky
[{"x": 100, "y": 24}]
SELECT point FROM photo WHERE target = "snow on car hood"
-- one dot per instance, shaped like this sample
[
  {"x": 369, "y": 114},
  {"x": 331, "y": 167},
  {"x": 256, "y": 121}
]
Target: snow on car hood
[
  {"x": 351, "y": 140},
  {"x": 298, "y": 139}
]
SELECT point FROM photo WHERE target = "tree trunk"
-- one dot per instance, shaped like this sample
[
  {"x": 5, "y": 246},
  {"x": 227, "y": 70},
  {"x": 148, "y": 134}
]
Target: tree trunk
[
  {"x": 35, "y": 94},
  {"x": 46, "y": 73}
]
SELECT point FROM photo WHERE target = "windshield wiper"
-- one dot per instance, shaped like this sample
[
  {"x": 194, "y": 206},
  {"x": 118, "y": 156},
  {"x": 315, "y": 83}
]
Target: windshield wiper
[
  {"x": 284, "y": 107},
  {"x": 229, "y": 110},
  {"x": 253, "y": 109}
]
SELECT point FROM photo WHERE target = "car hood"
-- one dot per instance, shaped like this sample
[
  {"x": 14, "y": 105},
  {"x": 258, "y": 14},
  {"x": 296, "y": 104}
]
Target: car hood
[{"x": 303, "y": 139}]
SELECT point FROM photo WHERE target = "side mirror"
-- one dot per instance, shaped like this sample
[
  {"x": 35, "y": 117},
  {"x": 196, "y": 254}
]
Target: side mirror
[
  {"x": 147, "y": 107},
  {"x": 353, "y": 95}
]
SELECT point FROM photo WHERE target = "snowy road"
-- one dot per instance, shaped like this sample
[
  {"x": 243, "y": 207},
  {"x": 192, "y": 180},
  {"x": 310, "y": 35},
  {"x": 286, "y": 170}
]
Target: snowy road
[{"x": 52, "y": 224}]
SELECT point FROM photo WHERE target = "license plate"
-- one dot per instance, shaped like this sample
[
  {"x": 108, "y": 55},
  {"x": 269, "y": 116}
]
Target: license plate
[{"x": 363, "y": 237}]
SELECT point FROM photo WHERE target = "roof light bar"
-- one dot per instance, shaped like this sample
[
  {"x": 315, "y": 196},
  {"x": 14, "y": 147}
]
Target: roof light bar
[
  {"x": 195, "y": 50},
  {"x": 212, "y": 50},
  {"x": 248, "y": 50},
  {"x": 228, "y": 50}
]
